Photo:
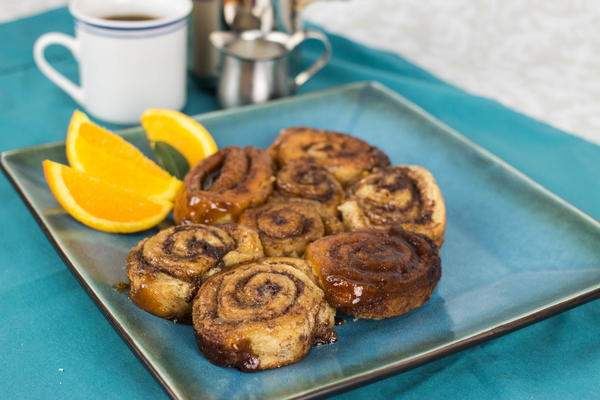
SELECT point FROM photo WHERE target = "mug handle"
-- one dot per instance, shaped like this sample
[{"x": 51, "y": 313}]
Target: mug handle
[
  {"x": 38, "y": 55},
  {"x": 300, "y": 37}
]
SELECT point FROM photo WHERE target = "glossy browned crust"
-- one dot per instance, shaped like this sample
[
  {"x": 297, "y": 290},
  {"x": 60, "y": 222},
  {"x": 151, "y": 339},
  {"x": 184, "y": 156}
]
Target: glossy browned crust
[
  {"x": 311, "y": 181},
  {"x": 375, "y": 274},
  {"x": 404, "y": 195},
  {"x": 221, "y": 186},
  {"x": 166, "y": 270},
  {"x": 261, "y": 315},
  {"x": 347, "y": 157},
  {"x": 286, "y": 227}
]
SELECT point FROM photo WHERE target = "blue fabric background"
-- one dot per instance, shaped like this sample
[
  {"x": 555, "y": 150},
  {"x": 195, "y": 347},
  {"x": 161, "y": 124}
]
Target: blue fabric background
[{"x": 55, "y": 343}]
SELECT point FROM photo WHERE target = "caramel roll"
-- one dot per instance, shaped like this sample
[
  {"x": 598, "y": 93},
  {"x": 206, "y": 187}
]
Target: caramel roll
[
  {"x": 407, "y": 196},
  {"x": 166, "y": 269},
  {"x": 347, "y": 157},
  {"x": 375, "y": 274},
  {"x": 261, "y": 315},
  {"x": 309, "y": 181},
  {"x": 221, "y": 186},
  {"x": 286, "y": 228}
]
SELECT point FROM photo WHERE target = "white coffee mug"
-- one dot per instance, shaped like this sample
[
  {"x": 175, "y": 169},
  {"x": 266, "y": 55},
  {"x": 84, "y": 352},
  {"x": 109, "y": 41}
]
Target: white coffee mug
[{"x": 131, "y": 54}]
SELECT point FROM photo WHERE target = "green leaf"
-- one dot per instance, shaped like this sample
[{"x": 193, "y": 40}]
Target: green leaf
[{"x": 170, "y": 159}]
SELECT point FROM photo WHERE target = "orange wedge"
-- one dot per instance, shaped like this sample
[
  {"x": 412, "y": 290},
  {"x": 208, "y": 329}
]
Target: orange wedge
[
  {"x": 76, "y": 119},
  {"x": 99, "y": 152},
  {"x": 100, "y": 204},
  {"x": 187, "y": 136}
]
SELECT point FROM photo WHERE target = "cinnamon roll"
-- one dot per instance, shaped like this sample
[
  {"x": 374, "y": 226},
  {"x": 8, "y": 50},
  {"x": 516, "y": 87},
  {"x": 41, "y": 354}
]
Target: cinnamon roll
[
  {"x": 404, "y": 195},
  {"x": 347, "y": 157},
  {"x": 299, "y": 179},
  {"x": 261, "y": 315},
  {"x": 166, "y": 270},
  {"x": 221, "y": 186},
  {"x": 375, "y": 274},
  {"x": 286, "y": 228}
]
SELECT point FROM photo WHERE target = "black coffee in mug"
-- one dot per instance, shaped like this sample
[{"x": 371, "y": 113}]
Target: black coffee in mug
[{"x": 130, "y": 17}]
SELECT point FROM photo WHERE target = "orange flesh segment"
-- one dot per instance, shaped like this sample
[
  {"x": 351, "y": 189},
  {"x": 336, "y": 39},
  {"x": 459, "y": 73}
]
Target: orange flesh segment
[
  {"x": 99, "y": 152},
  {"x": 98, "y": 200},
  {"x": 102, "y": 205}
]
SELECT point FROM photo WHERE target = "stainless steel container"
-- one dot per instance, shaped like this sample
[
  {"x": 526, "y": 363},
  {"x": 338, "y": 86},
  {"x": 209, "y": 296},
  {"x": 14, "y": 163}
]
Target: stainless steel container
[
  {"x": 206, "y": 18},
  {"x": 257, "y": 65},
  {"x": 238, "y": 16}
]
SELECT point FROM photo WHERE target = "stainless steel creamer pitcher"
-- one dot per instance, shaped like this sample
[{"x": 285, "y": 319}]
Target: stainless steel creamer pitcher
[
  {"x": 237, "y": 15},
  {"x": 256, "y": 64}
]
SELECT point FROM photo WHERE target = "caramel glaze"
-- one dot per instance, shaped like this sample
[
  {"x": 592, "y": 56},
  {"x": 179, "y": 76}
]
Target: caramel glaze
[
  {"x": 298, "y": 179},
  {"x": 347, "y": 157},
  {"x": 261, "y": 315},
  {"x": 239, "y": 355},
  {"x": 287, "y": 227},
  {"x": 221, "y": 186},
  {"x": 166, "y": 270},
  {"x": 405, "y": 196},
  {"x": 375, "y": 274}
]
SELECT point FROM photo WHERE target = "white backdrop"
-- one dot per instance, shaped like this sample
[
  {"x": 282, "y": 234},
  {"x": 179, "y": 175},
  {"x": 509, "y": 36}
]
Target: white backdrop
[{"x": 541, "y": 57}]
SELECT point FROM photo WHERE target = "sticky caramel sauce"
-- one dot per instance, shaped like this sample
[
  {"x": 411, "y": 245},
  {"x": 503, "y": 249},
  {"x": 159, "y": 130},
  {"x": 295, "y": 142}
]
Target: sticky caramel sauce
[
  {"x": 361, "y": 271},
  {"x": 239, "y": 355},
  {"x": 220, "y": 187},
  {"x": 205, "y": 208}
]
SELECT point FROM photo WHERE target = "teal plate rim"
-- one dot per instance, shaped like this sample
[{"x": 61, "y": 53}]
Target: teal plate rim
[{"x": 350, "y": 382}]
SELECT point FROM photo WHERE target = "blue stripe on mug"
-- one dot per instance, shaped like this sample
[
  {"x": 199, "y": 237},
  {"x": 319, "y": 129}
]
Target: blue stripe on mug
[
  {"x": 157, "y": 30},
  {"x": 144, "y": 28}
]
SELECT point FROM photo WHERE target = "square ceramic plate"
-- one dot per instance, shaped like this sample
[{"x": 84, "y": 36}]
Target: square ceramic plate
[{"x": 514, "y": 252}]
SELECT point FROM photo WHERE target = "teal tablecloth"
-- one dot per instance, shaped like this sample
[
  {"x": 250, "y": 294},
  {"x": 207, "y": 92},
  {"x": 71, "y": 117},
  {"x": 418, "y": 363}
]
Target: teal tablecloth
[{"x": 55, "y": 343}]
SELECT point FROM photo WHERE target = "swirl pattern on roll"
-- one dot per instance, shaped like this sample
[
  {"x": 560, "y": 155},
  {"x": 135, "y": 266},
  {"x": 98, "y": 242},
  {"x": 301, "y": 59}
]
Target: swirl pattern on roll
[
  {"x": 221, "y": 186},
  {"x": 287, "y": 227},
  {"x": 166, "y": 270},
  {"x": 261, "y": 315},
  {"x": 405, "y": 196},
  {"x": 347, "y": 157},
  {"x": 311, "y": 181},
  {"x": 375, "y": 274}
]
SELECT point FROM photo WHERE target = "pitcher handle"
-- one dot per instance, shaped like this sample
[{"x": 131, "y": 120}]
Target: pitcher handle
[{"x": 300, "y": 37}]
